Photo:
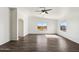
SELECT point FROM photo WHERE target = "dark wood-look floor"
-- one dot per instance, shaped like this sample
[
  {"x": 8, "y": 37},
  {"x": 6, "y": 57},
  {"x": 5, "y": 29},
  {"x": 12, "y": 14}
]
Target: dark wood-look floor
[{"x": 40, "y": 43}]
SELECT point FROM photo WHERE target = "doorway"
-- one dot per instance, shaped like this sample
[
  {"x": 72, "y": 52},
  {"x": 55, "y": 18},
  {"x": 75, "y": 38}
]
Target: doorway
[{"x": 20, "y": 28}]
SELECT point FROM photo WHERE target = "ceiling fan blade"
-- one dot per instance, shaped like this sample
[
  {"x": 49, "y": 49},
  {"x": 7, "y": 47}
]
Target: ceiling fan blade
[
  {"x": 48, "y": 9},
  {"x": 46, "y": 12}
]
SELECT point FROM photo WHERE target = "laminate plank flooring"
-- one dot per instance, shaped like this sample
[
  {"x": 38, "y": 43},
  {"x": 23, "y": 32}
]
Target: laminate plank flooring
[{"x": 40, "y": 43}]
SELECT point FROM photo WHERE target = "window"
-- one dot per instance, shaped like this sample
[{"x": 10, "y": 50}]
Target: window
[
  {"x": 63, "y": 25},
  {"x": 42, "y": 26}
]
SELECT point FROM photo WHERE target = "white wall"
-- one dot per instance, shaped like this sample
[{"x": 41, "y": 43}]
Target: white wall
[
  {"x": 32, "y": 25},
  {"x": 13, "y": 24},
  {"x": 4, "y": 25},
  {"x": 72, "y": 19}
]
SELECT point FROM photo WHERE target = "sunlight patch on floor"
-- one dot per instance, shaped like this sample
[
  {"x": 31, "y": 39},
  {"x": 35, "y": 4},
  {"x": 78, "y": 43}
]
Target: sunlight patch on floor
[{"x": 52, "y": 36}]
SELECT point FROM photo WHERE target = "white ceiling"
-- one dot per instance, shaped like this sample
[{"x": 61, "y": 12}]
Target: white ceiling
[{"x": 55, "y": 13}]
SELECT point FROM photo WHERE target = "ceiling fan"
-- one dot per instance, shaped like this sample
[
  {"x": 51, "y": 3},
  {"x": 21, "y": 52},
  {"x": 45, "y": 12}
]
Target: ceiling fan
[{"x": 44, "y": 10}]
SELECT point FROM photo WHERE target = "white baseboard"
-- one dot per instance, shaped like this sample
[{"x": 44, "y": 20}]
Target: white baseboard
[
  {"x": 25, "y": 34},
  {"x": 4, "y": 42},
  {"x": 69, "y": 39}
]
